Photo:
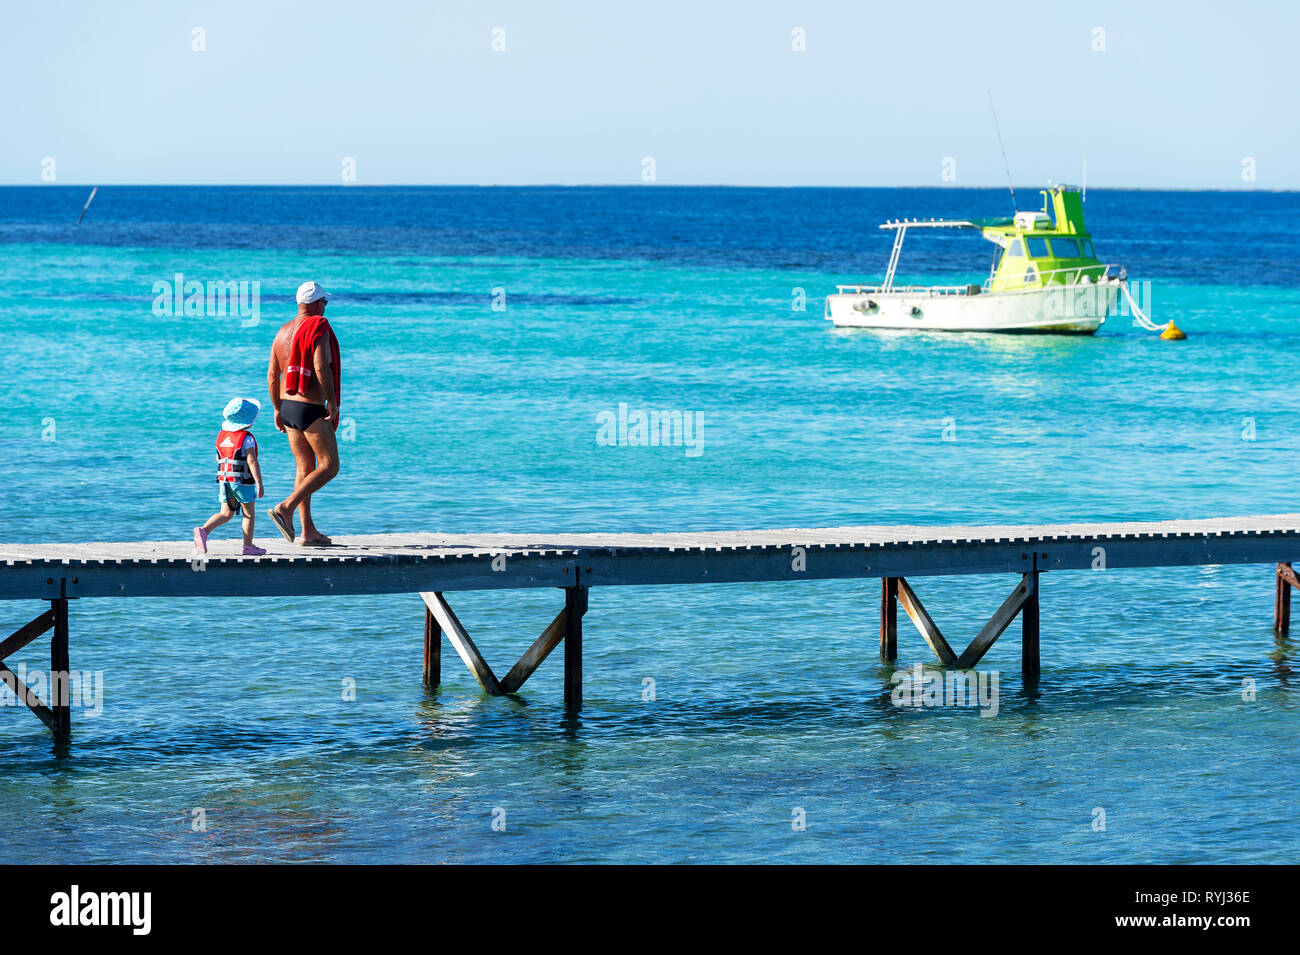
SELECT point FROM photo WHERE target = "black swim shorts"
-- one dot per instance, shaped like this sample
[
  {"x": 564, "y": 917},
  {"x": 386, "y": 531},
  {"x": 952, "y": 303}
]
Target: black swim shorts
[{"x": 300, "y": 415}]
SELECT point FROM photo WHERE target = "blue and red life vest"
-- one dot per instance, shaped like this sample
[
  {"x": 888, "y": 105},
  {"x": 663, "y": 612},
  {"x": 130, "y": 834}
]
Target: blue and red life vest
[{"x": 232, "y": 460}]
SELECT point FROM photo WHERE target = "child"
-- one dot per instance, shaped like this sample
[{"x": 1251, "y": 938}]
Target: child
[{"x": 237, "y": 474}]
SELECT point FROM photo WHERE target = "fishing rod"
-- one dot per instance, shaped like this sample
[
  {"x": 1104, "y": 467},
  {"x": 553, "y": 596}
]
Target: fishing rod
[{"x": 1005, "y": 164}]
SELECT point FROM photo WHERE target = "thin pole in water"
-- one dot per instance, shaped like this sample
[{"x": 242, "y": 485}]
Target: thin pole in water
[
  {"x": 87, "y": 205},
  {"x": 1005, "y": 164}
]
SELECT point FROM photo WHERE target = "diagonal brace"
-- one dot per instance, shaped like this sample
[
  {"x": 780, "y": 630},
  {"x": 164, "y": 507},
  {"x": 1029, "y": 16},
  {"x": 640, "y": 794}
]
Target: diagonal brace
[
  {"x": 26, "y": 634},
  {"x": 11, "y": 645},
  {"x": 461, "y": 641},
  {"x": 998, "y": 622},
  {"x": 10, "y": 679},
  {"x": 916, "y": 610},
  {"x": 538, "y": 652}
]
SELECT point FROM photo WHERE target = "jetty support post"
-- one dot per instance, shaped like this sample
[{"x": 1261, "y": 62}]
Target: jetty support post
[
  {"x": 575, "y": 605},
  {"x": 1286, "y": 579},
  {"x": 432, "y": 650},
  {"x": 60, "y": 691},
  {"x": 58, "y": 715},
  {"x": 888, "y": 619},
  {"x": 1029, "y": 664}
]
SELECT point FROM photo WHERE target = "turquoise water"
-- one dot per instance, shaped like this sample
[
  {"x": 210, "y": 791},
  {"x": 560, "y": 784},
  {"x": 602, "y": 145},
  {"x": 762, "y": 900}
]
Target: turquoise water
[{"x": 767, "y": 699}]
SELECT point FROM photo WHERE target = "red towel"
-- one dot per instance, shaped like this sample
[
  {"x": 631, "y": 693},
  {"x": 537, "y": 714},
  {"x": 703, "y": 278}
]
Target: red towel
[{"x": 305, "y": 339}]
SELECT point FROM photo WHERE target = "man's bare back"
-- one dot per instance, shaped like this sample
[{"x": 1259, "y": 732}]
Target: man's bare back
[{"x": 311, "y": 391}]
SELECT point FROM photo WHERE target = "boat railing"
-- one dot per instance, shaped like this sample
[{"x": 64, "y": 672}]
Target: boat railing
[
  {"x": 899, "y": 289},
  {"x": 1080, "y": 274}
]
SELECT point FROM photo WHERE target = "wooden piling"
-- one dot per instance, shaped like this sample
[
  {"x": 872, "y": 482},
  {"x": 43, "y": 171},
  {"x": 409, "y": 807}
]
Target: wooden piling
[
  {"x": 575, "y": 605},
  {"x": 432, "y": 651},
  {"x": 1283, "y": 583},
  {"x": 888, "y": 619},
  {"x": 60, "y": 703},
  {"x": 1029, "y": 665}
]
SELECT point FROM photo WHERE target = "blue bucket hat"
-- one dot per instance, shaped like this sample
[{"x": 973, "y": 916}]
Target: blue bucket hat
[{"x": 240, "y": 414}]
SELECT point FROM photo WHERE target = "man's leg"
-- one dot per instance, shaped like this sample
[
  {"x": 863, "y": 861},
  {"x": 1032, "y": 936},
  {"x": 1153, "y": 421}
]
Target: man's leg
[
  {"x": 320, "y": 436},
  {"x": 325, "y": 448},
  {"x": 304, "y": 459}
]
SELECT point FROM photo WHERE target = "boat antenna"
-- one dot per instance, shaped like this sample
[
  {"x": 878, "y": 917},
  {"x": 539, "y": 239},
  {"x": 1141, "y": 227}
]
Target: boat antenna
[{"x": 1005, "y": 164}]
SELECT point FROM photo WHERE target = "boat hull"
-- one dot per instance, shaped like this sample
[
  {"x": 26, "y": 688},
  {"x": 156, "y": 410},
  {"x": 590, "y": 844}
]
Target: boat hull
[{"x": 1062, "y": 310}]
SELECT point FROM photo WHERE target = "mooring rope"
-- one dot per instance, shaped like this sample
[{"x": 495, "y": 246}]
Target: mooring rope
[{"x": 1138, "y": 314}]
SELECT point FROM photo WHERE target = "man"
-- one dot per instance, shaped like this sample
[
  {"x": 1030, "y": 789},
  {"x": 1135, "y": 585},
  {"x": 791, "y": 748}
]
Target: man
[{"x": 306, "y": 405}]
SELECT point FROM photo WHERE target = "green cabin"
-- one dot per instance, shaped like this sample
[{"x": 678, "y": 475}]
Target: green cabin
[{"x": 1051, "y": 247}]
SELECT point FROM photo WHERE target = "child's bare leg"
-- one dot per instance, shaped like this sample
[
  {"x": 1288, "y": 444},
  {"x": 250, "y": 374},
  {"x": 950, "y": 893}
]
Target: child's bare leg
[
  {"x": 219, "y": 518},
  {"x": 250, "y": 514}
]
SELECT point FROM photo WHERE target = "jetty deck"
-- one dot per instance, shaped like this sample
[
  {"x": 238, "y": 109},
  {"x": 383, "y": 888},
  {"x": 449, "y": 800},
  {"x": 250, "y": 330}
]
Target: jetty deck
[{"x": 433, "y": 565}]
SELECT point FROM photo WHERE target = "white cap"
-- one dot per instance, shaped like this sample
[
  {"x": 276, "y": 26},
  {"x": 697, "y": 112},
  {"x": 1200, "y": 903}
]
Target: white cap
[{"x": 309, "y": 292}]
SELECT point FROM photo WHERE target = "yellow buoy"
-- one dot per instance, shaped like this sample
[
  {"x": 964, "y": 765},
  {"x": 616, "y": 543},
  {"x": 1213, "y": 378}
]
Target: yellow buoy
[{"x": 1172, "y": 333}]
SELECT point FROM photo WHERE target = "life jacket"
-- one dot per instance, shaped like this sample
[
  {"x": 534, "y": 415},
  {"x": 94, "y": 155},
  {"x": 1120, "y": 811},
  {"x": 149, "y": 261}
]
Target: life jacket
[{"x": 232, "y": 461}]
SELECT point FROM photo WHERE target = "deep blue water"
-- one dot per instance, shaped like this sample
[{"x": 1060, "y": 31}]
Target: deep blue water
[
  {"x": 1188, "y": 236},
  {"x": 767, "y": 698}
]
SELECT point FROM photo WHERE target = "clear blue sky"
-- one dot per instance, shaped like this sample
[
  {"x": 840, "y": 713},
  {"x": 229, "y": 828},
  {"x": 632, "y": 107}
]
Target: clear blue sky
[{"x": 414, "y": 92}]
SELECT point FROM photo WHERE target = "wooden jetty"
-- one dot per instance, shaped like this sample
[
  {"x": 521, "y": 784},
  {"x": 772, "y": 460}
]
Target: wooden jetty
[{"x": 433, "y": 565}]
